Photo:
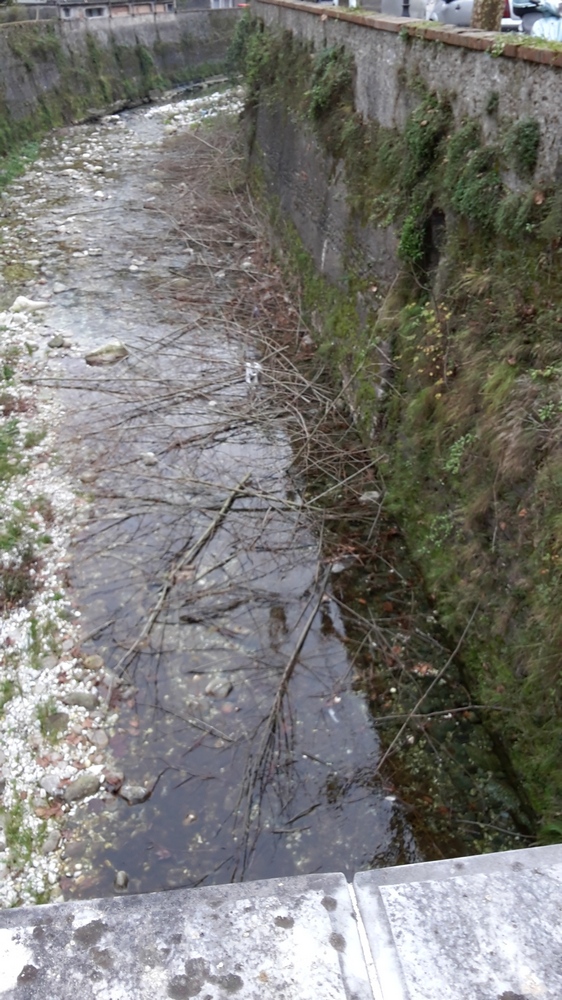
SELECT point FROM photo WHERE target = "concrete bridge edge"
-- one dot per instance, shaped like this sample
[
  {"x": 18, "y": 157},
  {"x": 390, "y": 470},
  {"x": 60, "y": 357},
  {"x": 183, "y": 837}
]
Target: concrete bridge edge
[{"x": 479, "y": 927}]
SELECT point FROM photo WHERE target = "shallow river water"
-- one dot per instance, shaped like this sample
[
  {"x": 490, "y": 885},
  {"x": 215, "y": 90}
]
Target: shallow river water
[{"x": 245, "y": 645}]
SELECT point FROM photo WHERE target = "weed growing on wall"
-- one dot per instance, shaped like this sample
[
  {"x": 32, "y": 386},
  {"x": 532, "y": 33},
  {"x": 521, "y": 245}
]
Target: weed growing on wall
[
  {"x": 522, "y": 146},
  {"x": 149, "y": 73},
  {"x": 468, "y": 405},
  {"x": 34, "y": 46},
  {"x": 332, "y": 79}
]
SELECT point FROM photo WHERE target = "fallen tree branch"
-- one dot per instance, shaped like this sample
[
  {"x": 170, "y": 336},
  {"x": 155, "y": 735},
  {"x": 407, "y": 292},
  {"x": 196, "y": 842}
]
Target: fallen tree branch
[
  {"x": 421, "y": 700},
  {"x": 186, "y": 557},
  {"x": 274, "y": 713},
  {"x": 442, "y": 712}
]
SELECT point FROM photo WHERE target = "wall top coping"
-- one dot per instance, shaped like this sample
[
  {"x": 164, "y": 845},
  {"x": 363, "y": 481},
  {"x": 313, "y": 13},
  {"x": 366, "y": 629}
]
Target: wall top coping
[
  {"x": 457, "y": 928},
  {"x": 497, "y": 44}
]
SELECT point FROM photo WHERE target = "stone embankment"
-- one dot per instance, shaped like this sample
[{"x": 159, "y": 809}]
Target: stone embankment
[
  {"x": 55, "y": 72},
  {"x": 418, "y": 167}
]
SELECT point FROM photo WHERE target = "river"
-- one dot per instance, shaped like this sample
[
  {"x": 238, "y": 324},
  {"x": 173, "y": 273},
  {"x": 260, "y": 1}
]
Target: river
[{"x": 262, "y": 633}]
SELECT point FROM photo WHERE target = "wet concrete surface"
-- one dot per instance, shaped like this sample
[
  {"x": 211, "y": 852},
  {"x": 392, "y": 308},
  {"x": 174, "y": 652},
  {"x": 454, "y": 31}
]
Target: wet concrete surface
[{"x": 200, "y": 569}]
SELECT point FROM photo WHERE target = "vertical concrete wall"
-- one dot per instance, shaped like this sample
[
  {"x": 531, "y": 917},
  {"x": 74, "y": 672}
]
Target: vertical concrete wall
[{"x": 176, "y": 42}]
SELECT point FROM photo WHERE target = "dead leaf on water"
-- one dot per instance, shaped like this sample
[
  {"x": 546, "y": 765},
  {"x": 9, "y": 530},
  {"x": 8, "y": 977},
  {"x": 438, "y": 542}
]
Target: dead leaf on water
[
  {"x": 47, "y": 812},
  {"x": 425, "y": 670}
]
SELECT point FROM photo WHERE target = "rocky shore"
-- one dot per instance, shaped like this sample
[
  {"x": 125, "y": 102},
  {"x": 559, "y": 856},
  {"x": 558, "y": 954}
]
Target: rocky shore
[{"x": 55, "y": 708}]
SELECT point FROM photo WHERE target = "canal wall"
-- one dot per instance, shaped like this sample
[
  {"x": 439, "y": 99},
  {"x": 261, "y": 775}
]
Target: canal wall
[
  {"x": 53, "y": 73},
  {"x": 412, "y": 173}
]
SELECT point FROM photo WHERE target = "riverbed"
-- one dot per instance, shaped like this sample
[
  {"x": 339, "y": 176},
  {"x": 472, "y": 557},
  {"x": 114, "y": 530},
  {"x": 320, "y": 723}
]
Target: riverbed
[{"x": 249, "y": 625}]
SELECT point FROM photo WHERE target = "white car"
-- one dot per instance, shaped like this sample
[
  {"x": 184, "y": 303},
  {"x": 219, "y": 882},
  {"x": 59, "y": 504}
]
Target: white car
[{"x": 458, "y": 12}]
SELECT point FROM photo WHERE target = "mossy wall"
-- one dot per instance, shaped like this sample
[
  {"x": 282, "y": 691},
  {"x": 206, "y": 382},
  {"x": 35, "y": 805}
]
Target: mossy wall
[
  {"x": 52, "y": 73},
  {"x": 429, "y": 255}
]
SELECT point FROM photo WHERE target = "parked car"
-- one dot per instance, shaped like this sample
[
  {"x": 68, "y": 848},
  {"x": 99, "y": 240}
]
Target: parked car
[{"x": 458, "y": 12}]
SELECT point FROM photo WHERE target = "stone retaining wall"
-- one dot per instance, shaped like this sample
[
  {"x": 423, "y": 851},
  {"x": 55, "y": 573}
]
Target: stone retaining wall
[
  {"x": 465, "y": 65},
  {"x": 52, "y": 72},
  {"x": 420, "y": 168}
]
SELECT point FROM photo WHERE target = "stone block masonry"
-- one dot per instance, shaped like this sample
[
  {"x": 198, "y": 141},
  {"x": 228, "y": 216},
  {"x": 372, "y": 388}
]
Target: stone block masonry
[
  {"x": 479, "y": 928},
  {"x": 466, "y": 66},
  {"x": 486, "y": 78}
]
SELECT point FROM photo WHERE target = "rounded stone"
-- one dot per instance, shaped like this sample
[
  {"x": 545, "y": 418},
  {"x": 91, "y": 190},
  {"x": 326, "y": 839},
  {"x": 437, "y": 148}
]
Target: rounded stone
[
  {"x": 134, "y": 794},
  {"x": 99, "y": 738},
  {"x": 92, "y": 662},
  {"x": 82, "y": 699},
  {"x": 121, "y": 881},
  {"x": 50, "y": 783},
  {"x": 57, "y": 341},
  {"x": 54, "y": 723},
  {"x": 107, "y": 354},
  {"x": 51, "y": 842},
  {"x": 82, "y": 787},
  {"x": 219, "y": 687}
]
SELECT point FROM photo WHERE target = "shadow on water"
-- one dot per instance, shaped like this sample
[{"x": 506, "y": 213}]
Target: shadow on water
[{"x": 264, "y": 634}]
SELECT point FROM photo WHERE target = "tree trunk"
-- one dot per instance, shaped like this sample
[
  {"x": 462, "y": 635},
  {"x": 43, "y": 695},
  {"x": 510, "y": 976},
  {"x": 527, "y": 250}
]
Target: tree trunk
[{"x": 487, "y": 14}]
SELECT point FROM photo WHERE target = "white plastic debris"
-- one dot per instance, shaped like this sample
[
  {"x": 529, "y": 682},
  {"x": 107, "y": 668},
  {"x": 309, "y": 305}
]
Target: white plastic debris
[
  {"x": 23, "y": 304},
  {"x": 254, "y": 372},
  {"x": 371, "y": 496}
]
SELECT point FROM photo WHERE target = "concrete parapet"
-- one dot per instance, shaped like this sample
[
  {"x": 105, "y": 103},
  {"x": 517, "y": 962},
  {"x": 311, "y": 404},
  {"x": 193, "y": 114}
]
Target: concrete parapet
[
  {"x": 467, "y": 929},
  {"x": 292, "y": 938}
]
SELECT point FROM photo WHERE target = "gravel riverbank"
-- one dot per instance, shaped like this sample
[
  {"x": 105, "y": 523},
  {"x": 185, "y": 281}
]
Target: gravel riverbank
[{"x": 51, "y": 735}]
